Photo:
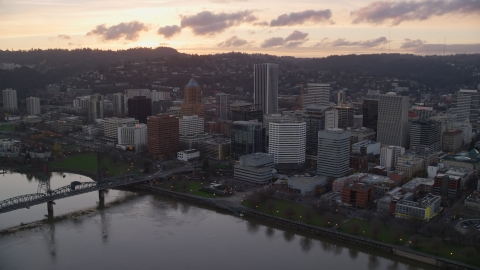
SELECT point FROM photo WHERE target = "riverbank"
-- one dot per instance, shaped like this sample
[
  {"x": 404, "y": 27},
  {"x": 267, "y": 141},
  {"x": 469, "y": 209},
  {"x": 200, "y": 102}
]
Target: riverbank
[{"x": 323, "y": 232}]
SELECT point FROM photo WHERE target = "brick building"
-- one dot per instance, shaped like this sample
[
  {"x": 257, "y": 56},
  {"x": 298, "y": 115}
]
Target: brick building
[
  {"x": 358, "y": 194},
  {"x": 163, "y": 135}
]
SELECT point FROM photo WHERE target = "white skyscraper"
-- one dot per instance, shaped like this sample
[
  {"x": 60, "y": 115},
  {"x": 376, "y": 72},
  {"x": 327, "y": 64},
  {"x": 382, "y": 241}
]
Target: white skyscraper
[
  {"x": 120, "y": 105},
  {"x": 130, "y": 93},
  {"x": 467, "y": 107},
  {"x": 392, "y": 126},
  {"x": 389, "y": 155},
  {"x": 287, "y": 142},
  {"x": 9, "y": 100},
  {"x": 33, "y": 106},
  {"x": 110, "y": 126},
  {"x": 266, "y": 87},
  {"x": 159, "y": 95},
  {"x": 331, "y": 119},
  {"x": 316, "y": 94},
  {"x": 133, "y": 135},
  {"x": 191, "y": 125},
  {"x": 333, "y": 152}
]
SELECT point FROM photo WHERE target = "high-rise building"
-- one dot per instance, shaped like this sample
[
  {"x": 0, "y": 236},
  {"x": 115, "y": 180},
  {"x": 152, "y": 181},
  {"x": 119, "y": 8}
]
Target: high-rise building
[
  {"x": 245, "y": 111},
  {"x": 191, "y": 125},
  {"x": 192, "y": 104},
  {"x": 314, "y": 118},
  {"x": 316, "y": 94},
  {"x": 140, "y": 108},
  {"x": 287, "y": 142},
  {"x": 120, "y": 105},
  {"x": 52, "y": 89},
  {"x": 133, "y": 135},
  {"x": 33, "y": 106},
  {"x": 265, "y": 87},
  {"x": 9, "y": 100},
  {"x": 222, "y": 106},
  {"x": 96, "y": 108},
  {"x": 274, "y": 118},
  {"x": 333, "y": 152},
  {"x": 159, "y": 95},
  {"x": 111, "y": 125},
  {"x": 161, "y": 106},
  {"x": 246, "y": 137},
  {"x": 392, "y": 126},
  {"x": 345, "y": 116},
  {"x": 467, "y": 107},
  {"x": 389, "y": 155},
  {"x": 425, "y": 134},
  {"x": 340, "y": 97},
  {"x": 131, "y": 93},
  {"x": 331, "y": 119},
  {"x": 370, "y": 110},
  {"x": 163, "y": 137},
  {"x": 82, "y": 103}
]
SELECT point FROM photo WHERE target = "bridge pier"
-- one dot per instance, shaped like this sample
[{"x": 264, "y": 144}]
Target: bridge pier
[
  {"x": 50, "y": 209},
  {"x": 101, "y": 197}
]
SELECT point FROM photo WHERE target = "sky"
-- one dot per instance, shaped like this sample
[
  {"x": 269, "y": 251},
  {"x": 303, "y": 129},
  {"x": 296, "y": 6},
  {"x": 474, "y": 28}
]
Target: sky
[{"x": 302, "y": 28}]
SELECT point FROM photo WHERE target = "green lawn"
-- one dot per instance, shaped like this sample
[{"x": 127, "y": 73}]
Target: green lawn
[
  {"x": 448, "y": 250},
  {"x": 386, "y": 233},
  {"x": 279, "y": 207},
  {"x": 7, "y": 127},
  {"x": 88, "y": 162}
]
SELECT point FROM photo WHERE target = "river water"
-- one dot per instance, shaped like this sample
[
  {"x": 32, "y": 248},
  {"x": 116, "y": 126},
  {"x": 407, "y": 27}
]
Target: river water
[{"x": 145, "y": 231}]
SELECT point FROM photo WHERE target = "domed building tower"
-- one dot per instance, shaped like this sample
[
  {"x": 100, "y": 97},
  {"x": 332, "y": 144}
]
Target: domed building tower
[{"x": 192, "y": 104}]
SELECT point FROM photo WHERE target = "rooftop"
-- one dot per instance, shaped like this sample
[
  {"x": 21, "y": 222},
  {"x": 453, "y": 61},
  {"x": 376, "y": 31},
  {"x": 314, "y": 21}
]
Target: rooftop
[{"x": 192, "y": 84}]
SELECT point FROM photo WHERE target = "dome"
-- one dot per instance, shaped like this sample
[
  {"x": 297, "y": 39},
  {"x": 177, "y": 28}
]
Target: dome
[{"x": 192, "y": 83}]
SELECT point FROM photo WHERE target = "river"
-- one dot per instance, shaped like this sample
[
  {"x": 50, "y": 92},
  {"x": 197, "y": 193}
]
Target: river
[{"x": 146, "y": 231}]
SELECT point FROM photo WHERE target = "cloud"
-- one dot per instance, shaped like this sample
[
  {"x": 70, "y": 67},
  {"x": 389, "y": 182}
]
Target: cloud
[
  {"x": 411, "y": 43},
  {"x": 226, "y": 1},
  {"x": 127, "y": 31},
  {"x": 208, "y": 23},
  {"x": 341, "y": 42},
  {"x": 63, "y": 36},
  {"x": 296, "y": 18},
  {"x": 251, "y": 32},
  {"x": 169, "y": 31},
  {"x": 295, "y": 39},
  {"x": 397, "y": 12},
  {"x": 232, "y": 42},
  {"x": 262, "y": 24}
]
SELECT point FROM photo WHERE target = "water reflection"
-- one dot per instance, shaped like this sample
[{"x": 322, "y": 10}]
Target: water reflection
[
  {"x": 337, "y": 250},
  {"x": 269, "y": 232},
  {"x": 49, "y": 236},
  {"x": 288, "y": 236},
  {"x": 353, "y": 253},
  {"x": 306, "y": 244},
  {"x": 252, "y": 227},
  {"x": 393, "y": 266},
  {"x": 373, "y": 262}
]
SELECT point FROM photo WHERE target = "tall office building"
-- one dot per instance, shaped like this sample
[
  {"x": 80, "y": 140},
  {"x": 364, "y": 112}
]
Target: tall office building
[
  {"x": 370, "y": 110},
  {"x": 95, "y": 110},
  {"x": 222, "y": 106},
  {"x": 191, "y": 125},
  {"x": 389, "y": 155},
  {"x": 135, "y": 136},
  {"x": 33, "y": 106},
  {"x": 392, "y": 128},
  {"x": 159, "y": 95},
  {"x": 140, "y": 108},
  {"x": 162, "y": 135},
  {"x": 245, "y": 111},
  {"x": 246, "y": 137},
  {"x": 192, "y": 104},
  {"x": 161, "y": 106},
  {"x": 9, "y": 100},
  {"x": 111, "y": 125},
  {"x": 265, "y": 87},
  {"x": 120, "y": 105},
  {"x": 130, "y": 93},
  {"x": 467, "y": 107},
  {"x": 314, "y": 118},
  {"x": 345, "y": 116},
  {"x": 331, "y": 118},
  {"x": 316, "y": 94},
  {"x": 333, "y": 152},
  {"x": 287, "y": 142},
  {"x": 425, "y": 134}
]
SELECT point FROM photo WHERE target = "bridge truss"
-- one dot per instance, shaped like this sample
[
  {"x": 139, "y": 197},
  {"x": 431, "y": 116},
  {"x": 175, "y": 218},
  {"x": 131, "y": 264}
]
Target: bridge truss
[{"x": 75, "y": 188}]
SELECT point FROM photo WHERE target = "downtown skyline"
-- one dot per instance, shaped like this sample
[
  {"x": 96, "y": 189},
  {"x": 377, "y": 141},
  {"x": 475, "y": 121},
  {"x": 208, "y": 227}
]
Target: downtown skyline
[{"x": 303, "y": 29}]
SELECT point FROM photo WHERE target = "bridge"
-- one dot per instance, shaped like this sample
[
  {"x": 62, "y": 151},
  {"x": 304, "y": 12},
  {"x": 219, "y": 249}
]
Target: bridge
[{"x": 75, "y": 188}]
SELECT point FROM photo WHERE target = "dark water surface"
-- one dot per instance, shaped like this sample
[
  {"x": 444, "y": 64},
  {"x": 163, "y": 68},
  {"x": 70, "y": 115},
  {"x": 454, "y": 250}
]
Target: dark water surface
[{"x": 146, "y": 231}]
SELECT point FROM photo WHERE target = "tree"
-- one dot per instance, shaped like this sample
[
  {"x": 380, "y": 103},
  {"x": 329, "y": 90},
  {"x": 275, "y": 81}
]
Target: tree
[
  {"x": 289, "y": 212},
  {"x": 468, "y": 252},
  {"x": 368, "y": 215},
  {"x": 270, "y": 206},
  {"x": 375, "y": 228},
  {"x": 355, "y": 227},
  {"x": 308, "y": 214},
  {"x": 253, "y": 201},
  {"x": 384, "y": 217},
  {"x": 415, "y": 224},
  {"x": 436, "y": 244},
  {"x": 57, "y": 148}
]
